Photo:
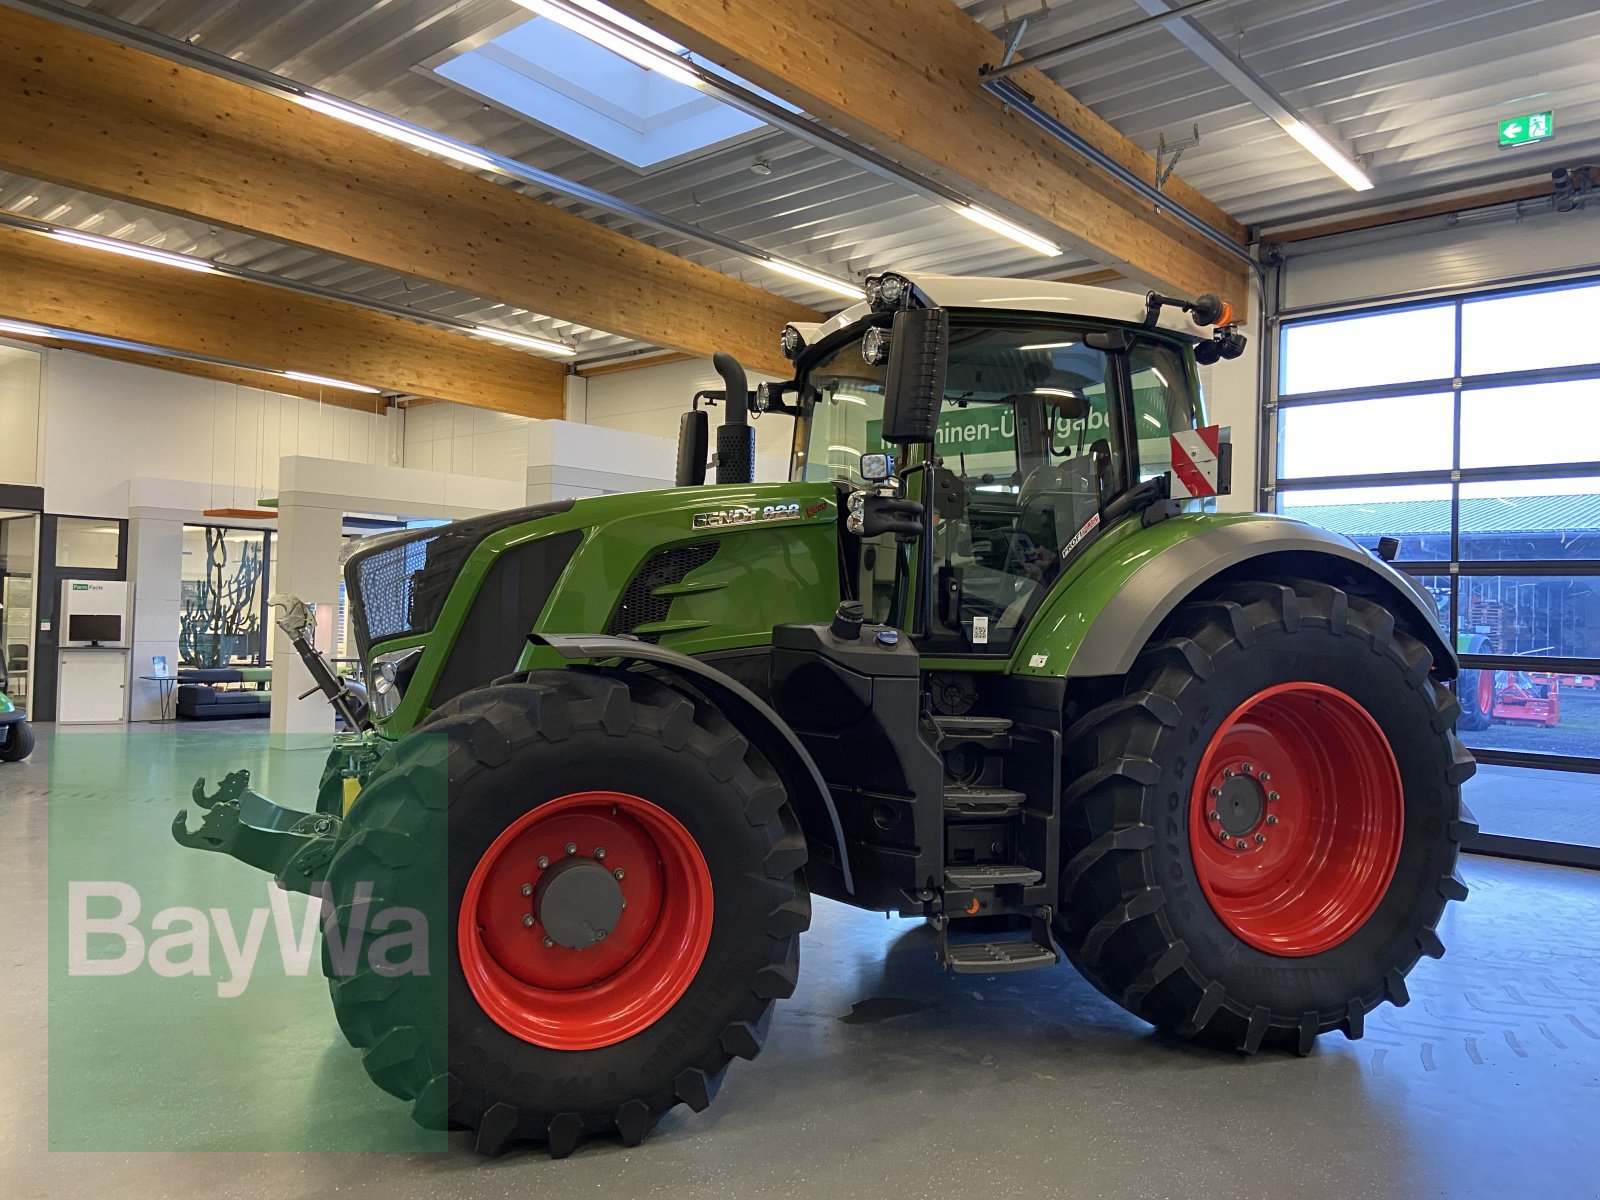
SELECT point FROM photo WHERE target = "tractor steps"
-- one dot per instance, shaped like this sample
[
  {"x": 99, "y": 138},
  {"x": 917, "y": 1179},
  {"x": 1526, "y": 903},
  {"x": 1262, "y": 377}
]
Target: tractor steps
[
  {"x": 991, "y": 732},
  {"x": 988, "y": 875},
  {"x": 995, "y": 958},
  {"x": 977, "y": 800}
]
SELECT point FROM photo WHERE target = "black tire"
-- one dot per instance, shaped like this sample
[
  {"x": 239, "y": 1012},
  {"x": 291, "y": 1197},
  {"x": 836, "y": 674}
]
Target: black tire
[
  {"x": 19, "y": 742},
  {"x": 1472, "y": 719},
  {"x": 509, "y": 748},
  {"x": 1134, "y": 918}
]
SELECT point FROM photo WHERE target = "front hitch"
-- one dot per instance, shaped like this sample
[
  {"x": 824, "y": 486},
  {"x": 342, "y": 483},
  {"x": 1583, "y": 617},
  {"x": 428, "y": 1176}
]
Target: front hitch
[{"x": 295, "y": 847}]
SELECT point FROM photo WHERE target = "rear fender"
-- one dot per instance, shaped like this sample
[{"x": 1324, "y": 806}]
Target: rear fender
[
  {"x": 1103, "y": 618},
  {"x": 752, "y": 717}
]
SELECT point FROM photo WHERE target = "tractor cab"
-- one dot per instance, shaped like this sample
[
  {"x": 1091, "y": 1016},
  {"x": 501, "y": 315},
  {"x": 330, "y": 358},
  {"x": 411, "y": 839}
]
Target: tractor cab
[{"x": 976, "y": 464}]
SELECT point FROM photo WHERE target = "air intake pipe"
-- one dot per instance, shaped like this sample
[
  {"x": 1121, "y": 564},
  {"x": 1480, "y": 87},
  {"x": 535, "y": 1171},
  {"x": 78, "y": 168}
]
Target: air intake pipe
[{"x": 736, "y": 440}]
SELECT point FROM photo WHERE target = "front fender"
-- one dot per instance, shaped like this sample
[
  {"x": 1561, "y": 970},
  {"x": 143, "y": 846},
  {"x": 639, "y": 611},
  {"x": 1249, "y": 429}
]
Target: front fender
[
  {"x": 751, "y": 716},
  {"x": 1104, "y": 613}
]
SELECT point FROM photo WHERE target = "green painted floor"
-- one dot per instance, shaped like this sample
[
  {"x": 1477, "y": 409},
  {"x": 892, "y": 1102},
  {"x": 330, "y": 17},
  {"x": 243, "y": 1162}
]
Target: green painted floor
[{"x": 882, "y": 1077}]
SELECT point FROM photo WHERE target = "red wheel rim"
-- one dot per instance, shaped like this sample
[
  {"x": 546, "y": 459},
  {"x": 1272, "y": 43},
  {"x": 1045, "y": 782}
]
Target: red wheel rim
[
  {"x": 525, "y": 943},
  {"x": 1296, "y": 819}
]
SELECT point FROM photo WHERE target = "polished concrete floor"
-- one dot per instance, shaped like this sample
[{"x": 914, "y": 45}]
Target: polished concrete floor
[{"x": 882, "y": 1077}]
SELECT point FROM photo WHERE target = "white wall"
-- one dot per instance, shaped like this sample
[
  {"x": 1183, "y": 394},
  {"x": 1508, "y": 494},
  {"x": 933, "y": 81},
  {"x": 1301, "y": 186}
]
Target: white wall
[
  {"x": 1233, "y": 398},
  {"x": 460, "y": 440},
  {"x": 651, "y": 399},
  {"x": 1437, "y": 254},
  {"x": 20, "y": 371},
  {"x": 109, "y": 422}
]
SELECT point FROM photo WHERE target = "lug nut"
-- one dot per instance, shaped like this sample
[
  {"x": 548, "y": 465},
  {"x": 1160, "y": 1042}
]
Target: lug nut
[
  {"x": 1227, "y": 772},
  {"x": 1245, "y": 767},
  {"x": 1272, "y": 820},
  {"x": 1216, "y": 793},
  {"x": 543, "y": 862},
  {"x": 572, "y": 847},
  {"x": 1265, "y": 777},
  {"x": 599, "y": 851},
  {"x": 548, "y": 942},
  {"x": 528, "y": 920},
  {"x": 618, "y": 872},
  {"x": 1261, "y": 839},
  {"x": 1272, "y": 795},
  {"x": 1213, "y": 816},
  {"x": 527, "y": 889},
  {"x": 599, "y": 935},
  {"x": 1241, "y": 844}
]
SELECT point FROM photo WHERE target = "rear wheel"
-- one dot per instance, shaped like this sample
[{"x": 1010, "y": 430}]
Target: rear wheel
[
  {"x": 19, "y": 742},
  {"x": 1475, "y": 691},
  {"x": 621, "y": 888},
  {"x": 1262, "y": 830}
]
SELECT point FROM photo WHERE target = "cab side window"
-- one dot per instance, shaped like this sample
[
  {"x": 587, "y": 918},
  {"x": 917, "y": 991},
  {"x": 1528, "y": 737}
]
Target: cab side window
[{"x": 1165, "y": 401}]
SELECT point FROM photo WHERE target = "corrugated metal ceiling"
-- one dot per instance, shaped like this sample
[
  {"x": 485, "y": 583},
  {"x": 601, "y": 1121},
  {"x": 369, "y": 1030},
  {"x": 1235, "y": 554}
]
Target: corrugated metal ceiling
[{"x": 1415, "y": 87}]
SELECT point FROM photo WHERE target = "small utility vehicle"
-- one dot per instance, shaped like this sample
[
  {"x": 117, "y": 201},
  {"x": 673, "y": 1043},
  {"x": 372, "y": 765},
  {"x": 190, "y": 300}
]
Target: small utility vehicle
[
  {"x": 983, "y": 659},
  {"x": 16, "y": 734}
]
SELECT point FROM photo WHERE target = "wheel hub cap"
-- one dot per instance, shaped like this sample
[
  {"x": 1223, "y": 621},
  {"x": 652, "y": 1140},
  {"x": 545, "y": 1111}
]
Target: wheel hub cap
[
  {"x": 1242, "y": 805},
  {"x": 577, "y": 903}
]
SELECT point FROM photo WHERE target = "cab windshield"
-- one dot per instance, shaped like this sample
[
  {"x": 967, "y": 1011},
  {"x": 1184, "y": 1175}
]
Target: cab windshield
[
  {"x": 841, "y": 416},
  {"x": 1038, "y": 431}
]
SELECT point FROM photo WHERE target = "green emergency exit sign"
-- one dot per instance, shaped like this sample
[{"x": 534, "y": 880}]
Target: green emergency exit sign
[{"x": 1535, "y": 127}]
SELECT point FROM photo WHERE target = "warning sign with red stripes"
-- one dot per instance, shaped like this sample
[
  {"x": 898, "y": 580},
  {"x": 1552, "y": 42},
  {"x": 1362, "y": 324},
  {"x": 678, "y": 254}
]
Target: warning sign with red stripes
[{"x": 1195, "y": 454}]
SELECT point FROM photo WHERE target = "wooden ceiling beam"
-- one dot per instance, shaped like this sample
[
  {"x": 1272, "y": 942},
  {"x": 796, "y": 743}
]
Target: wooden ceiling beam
[
  {"x": 82, "y": 111},
  {"x": 901, "y": 76},
  {"x": 70, "y": 287}
]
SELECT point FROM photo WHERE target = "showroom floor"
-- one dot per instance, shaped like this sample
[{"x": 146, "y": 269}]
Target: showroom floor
[{"x": 882, "y": 1077}]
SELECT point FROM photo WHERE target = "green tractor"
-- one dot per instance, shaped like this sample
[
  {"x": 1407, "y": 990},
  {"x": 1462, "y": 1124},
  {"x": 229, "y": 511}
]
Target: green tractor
[{"x": 983, "y": 660}]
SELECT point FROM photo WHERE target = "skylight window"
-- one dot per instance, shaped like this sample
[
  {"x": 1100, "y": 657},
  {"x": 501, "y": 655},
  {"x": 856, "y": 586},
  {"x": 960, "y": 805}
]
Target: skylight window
[{"x": 582, "y": 90}]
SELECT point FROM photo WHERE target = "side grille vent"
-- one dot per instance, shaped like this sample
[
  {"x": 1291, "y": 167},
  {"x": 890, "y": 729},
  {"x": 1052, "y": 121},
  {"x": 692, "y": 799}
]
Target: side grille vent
[{"x": 639, "y": 604}]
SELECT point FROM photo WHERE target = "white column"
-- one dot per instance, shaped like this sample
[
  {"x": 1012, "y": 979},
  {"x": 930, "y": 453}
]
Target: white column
[
  {"x": 309, "y": 537},
  {"x": 155, "y": 572}
]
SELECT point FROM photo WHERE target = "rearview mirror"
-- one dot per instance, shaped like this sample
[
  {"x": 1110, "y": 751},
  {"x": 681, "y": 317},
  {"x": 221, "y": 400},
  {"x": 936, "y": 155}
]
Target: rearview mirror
[
  {"x": 694, "y": 437},
  {"x": 914, "y": 382}
]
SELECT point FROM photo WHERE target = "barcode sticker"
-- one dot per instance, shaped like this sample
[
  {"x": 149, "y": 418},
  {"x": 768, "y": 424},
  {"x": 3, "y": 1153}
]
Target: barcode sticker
[{"x": 980, "y": 631}]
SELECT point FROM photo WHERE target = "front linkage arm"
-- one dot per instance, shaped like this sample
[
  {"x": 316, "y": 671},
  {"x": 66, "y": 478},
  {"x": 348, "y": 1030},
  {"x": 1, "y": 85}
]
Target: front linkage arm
[{"x": 295, "y": 846}]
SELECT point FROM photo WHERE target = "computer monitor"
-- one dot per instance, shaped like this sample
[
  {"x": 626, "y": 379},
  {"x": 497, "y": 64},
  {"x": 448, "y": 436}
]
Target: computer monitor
[{"x": 94, "y": 628}]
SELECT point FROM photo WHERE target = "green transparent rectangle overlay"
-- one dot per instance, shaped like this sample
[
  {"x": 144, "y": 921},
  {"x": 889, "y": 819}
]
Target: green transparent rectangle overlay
[{"x": 157, "y": 1042}]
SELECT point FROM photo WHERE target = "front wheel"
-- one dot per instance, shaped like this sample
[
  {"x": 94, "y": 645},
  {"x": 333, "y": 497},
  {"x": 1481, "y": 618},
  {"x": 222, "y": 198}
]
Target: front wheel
[
  {"x": 1262, "y": 830},
  {"x": 19, "y": 742},
  {"x": 618, "y": 877}
]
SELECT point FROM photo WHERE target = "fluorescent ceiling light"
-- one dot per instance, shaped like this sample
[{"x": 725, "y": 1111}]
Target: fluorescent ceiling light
[
  {"x": 1005, "y": 228},
  {"x": 131, "y": 249},
  {"x": 1328, "y": 154},
  {"x": 26, "y": 327},
  {"x": 595, "y": 28},
  {"x": 814, "y": 278},
  {"x": 326, "y": 382},
  {"x": 400, "y": 131},
  {"x": 543, "y": 345}
]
